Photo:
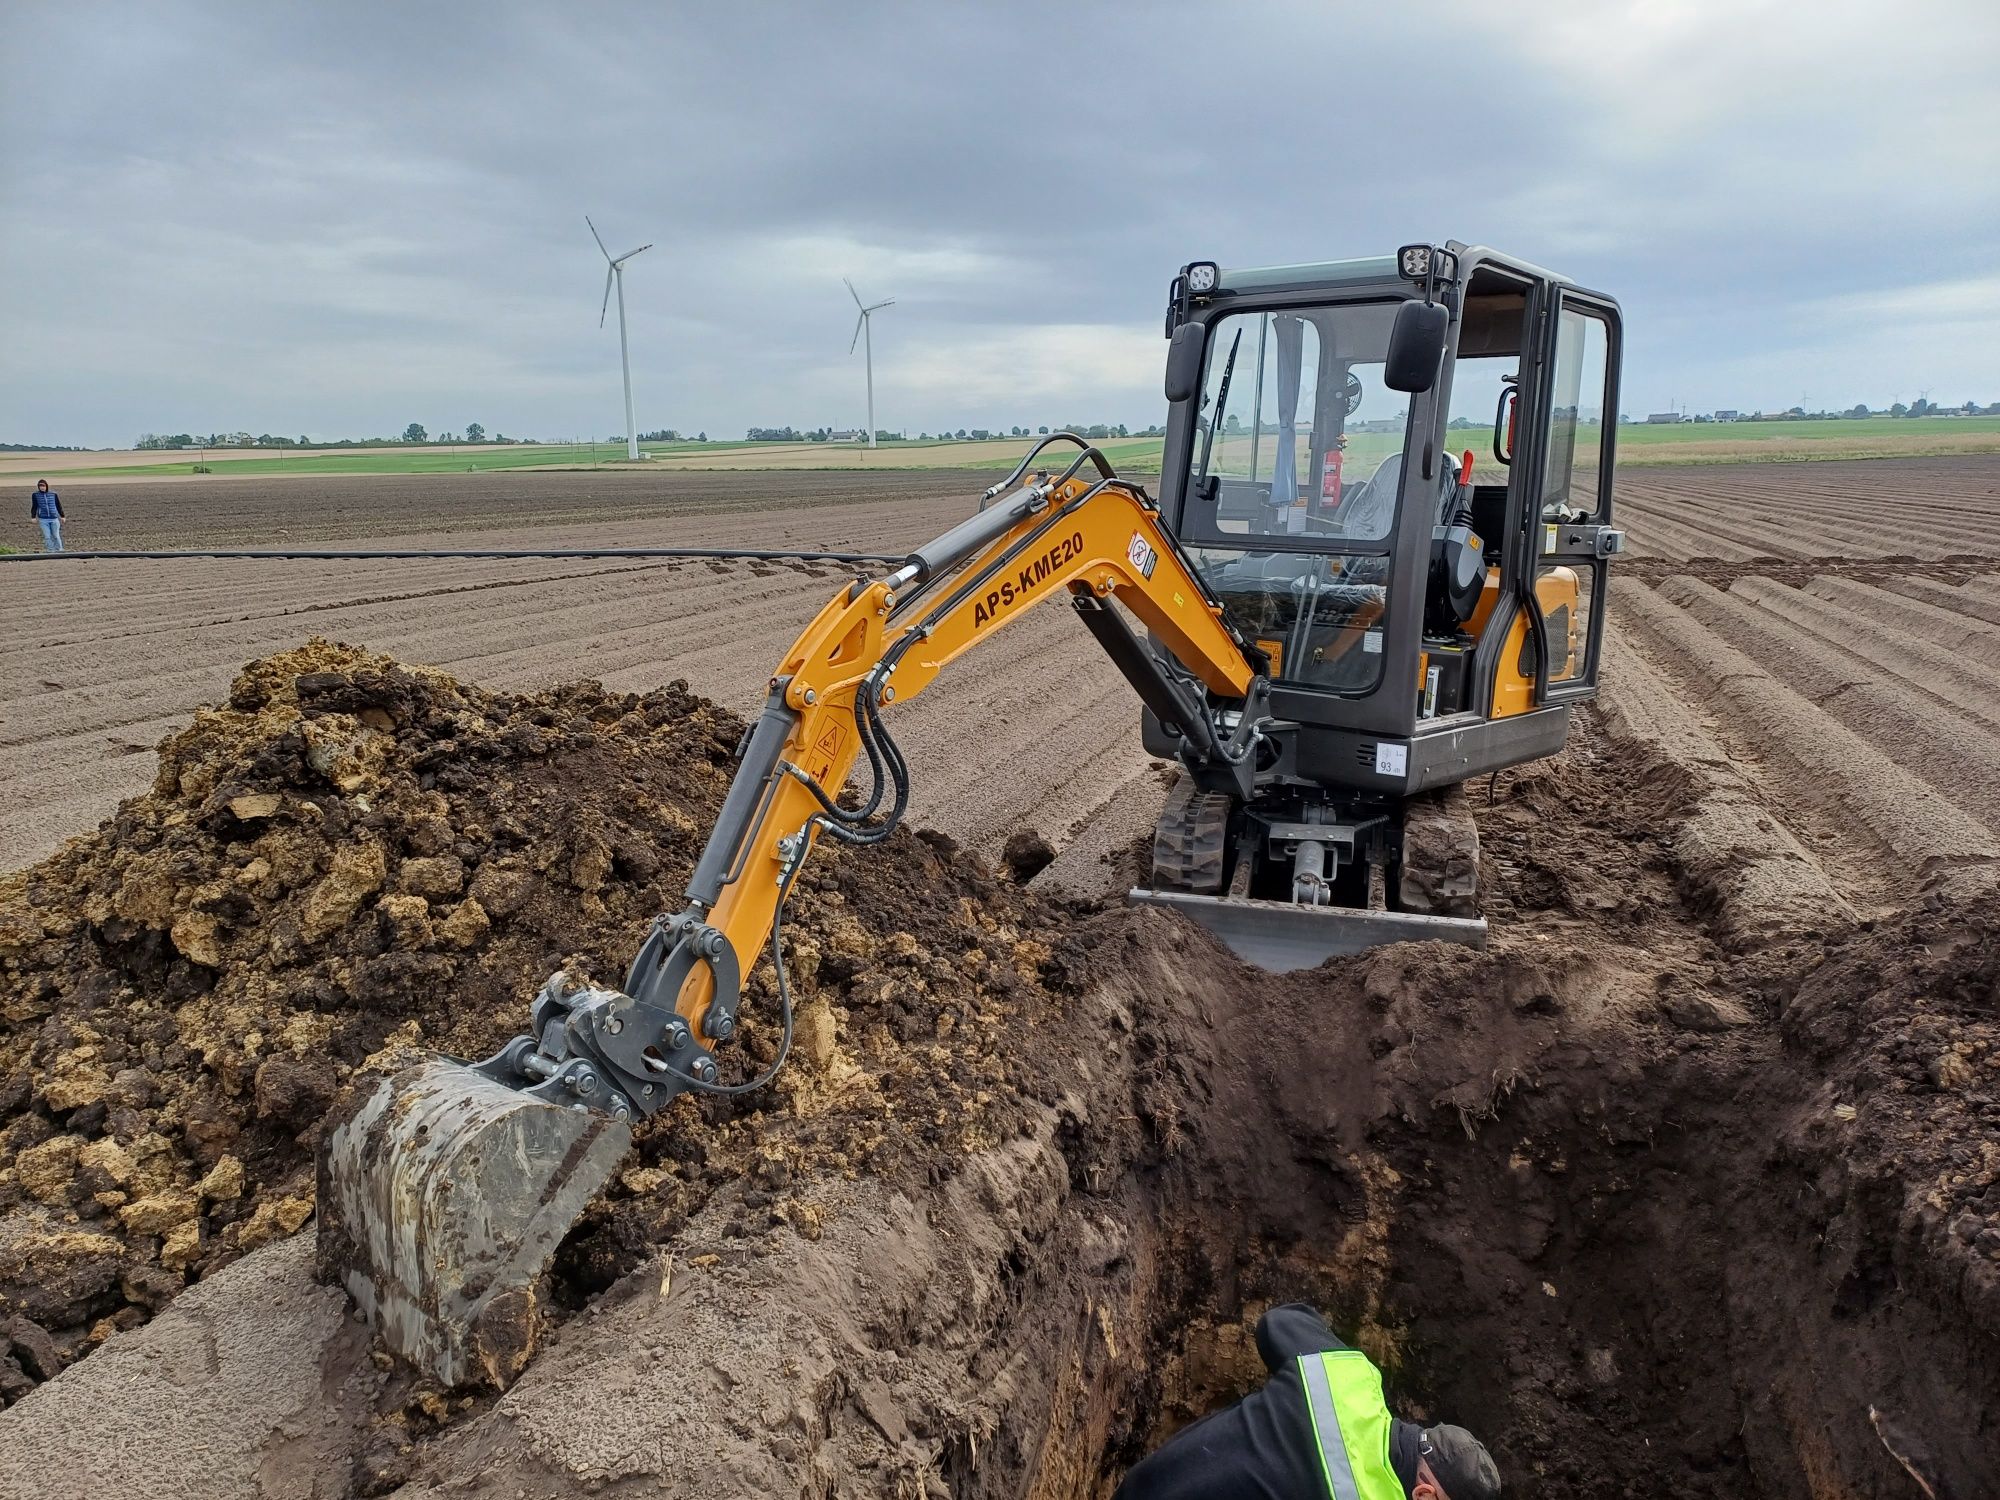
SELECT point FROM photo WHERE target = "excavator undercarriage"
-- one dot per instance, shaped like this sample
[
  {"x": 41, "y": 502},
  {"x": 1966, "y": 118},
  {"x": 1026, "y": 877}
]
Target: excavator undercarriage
[{"x": 1288, "y": 882}]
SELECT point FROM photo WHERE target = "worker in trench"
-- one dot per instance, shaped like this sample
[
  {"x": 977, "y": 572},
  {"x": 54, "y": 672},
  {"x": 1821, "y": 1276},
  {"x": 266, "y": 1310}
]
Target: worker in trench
[{"x": 1317, "y": 1427}]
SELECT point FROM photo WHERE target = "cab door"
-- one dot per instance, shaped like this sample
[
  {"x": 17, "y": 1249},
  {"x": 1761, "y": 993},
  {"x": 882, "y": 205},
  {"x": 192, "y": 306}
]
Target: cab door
[{"x": 1572, "y": 537}]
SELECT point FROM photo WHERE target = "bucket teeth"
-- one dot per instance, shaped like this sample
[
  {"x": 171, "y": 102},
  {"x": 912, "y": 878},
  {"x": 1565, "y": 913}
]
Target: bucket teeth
[{"x": 442, "y": 1200}]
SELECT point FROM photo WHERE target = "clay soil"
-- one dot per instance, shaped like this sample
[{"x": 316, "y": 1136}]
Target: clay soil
[
  {"x": 1689, "y": 1184},
  {"x": 354, "y": 859}
]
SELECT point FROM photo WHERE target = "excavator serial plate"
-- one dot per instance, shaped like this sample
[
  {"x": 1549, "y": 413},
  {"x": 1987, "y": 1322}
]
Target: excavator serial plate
[
  {"x": 1282, "y": 935},
  {"x": 441, "y": 1202}
]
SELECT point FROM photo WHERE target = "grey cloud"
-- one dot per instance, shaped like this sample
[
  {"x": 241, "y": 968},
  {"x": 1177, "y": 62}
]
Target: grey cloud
[{"x": 337, "y": 219}]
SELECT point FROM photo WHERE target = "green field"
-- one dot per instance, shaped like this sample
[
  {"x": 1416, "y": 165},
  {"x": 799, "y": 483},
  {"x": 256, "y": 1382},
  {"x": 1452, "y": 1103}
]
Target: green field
[
  {"x": 1790, "y": 442},
  {"x": 1641, "y": 445},
  {"x": 1638, "y": 444},
  {"x": 400, "y": 460}
]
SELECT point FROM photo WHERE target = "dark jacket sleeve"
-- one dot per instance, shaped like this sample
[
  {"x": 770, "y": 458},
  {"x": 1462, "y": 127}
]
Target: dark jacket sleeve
[
  {"x": 1284, "y": 1333},
  {"x": 59, "y": 510}
]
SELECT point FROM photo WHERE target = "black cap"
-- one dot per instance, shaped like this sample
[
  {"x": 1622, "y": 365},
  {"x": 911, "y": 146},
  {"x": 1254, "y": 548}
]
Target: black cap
[{"x": 1460, "y": 1462}]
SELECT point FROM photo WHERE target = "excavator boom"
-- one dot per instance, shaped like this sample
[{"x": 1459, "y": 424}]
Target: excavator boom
[{"x": 446, "y": 1193}]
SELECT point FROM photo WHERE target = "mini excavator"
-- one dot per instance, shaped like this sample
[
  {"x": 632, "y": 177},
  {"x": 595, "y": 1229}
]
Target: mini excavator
[{"x": 1330, "y": 619}]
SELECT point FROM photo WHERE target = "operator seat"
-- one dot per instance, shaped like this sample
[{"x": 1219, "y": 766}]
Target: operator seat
[{"x": 1367, "y": 514}]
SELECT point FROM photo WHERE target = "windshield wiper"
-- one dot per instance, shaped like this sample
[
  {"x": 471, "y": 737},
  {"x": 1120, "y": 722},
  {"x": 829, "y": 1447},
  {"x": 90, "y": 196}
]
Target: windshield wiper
[{"x": 1221, "y": 405}]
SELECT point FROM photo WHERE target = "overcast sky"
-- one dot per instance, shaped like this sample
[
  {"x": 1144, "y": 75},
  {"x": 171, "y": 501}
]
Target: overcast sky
[{"x": 338, "y": 219}]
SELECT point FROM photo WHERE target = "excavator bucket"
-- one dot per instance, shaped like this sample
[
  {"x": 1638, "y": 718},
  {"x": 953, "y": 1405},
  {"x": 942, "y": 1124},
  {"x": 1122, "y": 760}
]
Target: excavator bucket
[
  {"x": 1282, "y": 936},
  {"x": 442, "y": 1200}
]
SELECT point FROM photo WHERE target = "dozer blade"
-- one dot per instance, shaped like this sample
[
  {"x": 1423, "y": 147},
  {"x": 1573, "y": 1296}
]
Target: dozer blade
[
  {"x": 441, "y": 1202},
  {"x": 1282, "y": 935}
]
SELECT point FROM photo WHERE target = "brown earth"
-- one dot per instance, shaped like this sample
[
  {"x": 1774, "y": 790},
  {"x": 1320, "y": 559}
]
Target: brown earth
[
  {"x": 352, "y": 856},
  {"x": 99, "y": 660},
  {"x": 1689, "y": 1184},
  {"x": 91, "y": 691},
  {"x": 313, "y": 510}
]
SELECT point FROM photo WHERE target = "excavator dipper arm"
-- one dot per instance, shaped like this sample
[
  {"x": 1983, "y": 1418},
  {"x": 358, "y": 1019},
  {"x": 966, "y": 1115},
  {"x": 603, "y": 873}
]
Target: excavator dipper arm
[{"x": 445, "y": 1195}]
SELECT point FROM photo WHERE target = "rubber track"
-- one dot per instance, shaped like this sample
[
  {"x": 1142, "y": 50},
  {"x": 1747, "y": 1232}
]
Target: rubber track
[{"x": 1191, "y": 839}]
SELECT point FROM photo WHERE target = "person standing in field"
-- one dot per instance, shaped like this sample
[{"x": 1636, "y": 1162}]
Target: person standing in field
[{"x": 46, "y": 508}]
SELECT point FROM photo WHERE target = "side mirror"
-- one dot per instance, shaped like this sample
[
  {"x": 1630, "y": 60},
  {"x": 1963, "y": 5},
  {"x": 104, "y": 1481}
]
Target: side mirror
[
  {"x": 1505, "y": 415},
  {"x": 1416, "y": 347},
  {"x": 1184, "y": 362}
]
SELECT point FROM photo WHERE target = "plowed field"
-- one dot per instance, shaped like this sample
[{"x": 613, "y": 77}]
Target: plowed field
[
  {"x": 101, "y": 659},
  {"x": 1689, "y": 1184},
  {"x": 98, "y": 660}
]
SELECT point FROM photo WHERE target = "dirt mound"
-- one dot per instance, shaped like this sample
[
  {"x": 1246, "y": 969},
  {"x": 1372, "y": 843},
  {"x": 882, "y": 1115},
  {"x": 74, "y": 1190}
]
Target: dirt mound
[{"x": 354, "y": 856}]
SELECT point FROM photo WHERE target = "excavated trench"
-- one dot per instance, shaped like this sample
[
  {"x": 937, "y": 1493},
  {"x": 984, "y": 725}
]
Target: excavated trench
[
  {"x": 1636, "y": 1259},
  {"x": 1608, "y": 1201},
  {"x": 1668, "y": 1192}
]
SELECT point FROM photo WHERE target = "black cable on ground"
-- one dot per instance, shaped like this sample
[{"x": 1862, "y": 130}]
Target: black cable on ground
[{"x": 378, "y": 554}]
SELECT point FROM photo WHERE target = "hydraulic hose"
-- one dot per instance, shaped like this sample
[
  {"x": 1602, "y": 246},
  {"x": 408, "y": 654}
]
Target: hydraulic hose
[
  {"x": 883, "y": 752},
  {"x": 1089, "y": 452}
]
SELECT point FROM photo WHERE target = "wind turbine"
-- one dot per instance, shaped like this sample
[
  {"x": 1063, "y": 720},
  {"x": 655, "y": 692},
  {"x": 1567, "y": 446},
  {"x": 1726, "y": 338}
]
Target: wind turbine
[
  {"x": 615, "y": 271},
  {"x": 864, "y": 327}
]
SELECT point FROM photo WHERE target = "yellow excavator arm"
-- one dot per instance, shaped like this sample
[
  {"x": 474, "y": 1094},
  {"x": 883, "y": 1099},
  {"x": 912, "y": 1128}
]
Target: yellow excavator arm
[
  {"x": 445, "y": 1193},
  {"x": 883, "y": 642}
]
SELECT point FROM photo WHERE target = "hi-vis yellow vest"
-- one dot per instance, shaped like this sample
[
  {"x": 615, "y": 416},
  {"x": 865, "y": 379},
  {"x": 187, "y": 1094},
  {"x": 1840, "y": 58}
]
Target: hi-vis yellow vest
[{"x": 1351, "y": 1422}]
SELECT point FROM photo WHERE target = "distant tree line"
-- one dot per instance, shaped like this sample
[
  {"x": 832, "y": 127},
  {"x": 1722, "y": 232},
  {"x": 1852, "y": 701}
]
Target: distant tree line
[
  {"x": 1921, "y": 407},
  {"x": 958, "y": 435},
  {"x": 1918, "y": 408},
  {"x": 412, "y": 434}
]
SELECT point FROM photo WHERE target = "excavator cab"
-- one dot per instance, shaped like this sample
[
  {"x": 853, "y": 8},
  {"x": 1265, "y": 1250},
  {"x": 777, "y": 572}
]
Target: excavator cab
[{"x": 1395, "y": 474}]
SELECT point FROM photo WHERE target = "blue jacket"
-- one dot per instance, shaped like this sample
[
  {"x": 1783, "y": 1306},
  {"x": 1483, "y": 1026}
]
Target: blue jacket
[{"x": 45, "y": 505}]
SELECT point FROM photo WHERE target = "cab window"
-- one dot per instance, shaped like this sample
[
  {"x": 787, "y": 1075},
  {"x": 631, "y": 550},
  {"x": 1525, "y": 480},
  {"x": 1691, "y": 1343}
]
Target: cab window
[
  {"x": 1296, "y": 435},
  {"x": 1576, "y": 418}
]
